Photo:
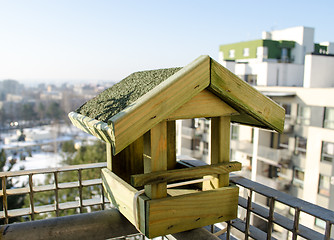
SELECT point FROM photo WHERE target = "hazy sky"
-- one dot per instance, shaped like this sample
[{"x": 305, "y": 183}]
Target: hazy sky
[{"x": 76, "y": 40}]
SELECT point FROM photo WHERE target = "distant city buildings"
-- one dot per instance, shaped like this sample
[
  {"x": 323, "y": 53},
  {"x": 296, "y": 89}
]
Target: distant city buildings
[{"x": 16, "y": 100}]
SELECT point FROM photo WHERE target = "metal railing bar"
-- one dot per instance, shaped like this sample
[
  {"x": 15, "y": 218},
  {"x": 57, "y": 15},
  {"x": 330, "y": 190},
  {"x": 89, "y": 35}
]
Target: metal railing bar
[
  {"x": 80, "y": 190},
  {"x": 50, "y": 187},
  {"x": 271, "y": 217},
  {"x": 228, "y": 232},
  {"x": 31, "y": 197},
  {"x": 282, "y": 221},
  {"x": 4, "y": 198},
  {"x": 50, "y": 208},
  {"x": 52, "y": 170},
  {"x": 328, "y": 230},
  {"x": 296, "y": 224},
  {"x": 56, "y": 193},
  {"x": 15, "y": 191},
  {"x": 102, "y": 197},
  {"x": 248, "y": 213},
  {"x": 312, "y": 209},
  {"x": 253, "y": 231}
]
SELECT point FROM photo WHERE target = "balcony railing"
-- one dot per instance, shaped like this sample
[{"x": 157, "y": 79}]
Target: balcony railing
[
  {"x": 264, "y": 153},
  {"x": 244, "y": 227},
  {"x": 34, "y": 187}
]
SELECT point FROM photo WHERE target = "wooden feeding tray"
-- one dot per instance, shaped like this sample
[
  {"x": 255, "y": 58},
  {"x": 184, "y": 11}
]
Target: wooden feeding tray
[{"x": 136, "y": 119}]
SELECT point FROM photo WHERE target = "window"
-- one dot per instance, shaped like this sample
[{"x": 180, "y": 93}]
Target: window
[
  {"x": 234, "y": 132},
  {"x": 327, "y": 152},
  {"x": 195, "y": 143},
  {"x": 300, "y": 146},
  {"x": 324, "y": 185},
  {"x": 298, "y": 177},
  {"x": 262, "y": 52},
  {"x": 329, "y": 118},
  {"x": 304, "y": 115},
  {"x": 320, "y": 223},
  {"x": 284, "y": 55},
  {"x": 231, "y": 53},
  {"x": 283, "y": 141},
  {"x": 287, "y": 107},
  {"x": 195, "y": 123},
  {"x": 251, "y": 79},
  {"x": 206, "y": 148},
  {"x": 246, "y": 52}
]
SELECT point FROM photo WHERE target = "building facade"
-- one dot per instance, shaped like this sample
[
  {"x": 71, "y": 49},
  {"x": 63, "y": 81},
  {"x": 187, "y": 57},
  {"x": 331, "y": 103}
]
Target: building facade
[{"x": 289, "y": 67}]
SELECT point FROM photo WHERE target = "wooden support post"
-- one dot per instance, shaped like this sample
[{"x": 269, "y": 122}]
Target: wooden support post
[
  {"x": 109, "y": 155},
  {"x": 220, "y": 149},
  {"x": 127, "y": 162},
  {"x": 171, "y": 145},
  {"x": 155, "y": 158}
]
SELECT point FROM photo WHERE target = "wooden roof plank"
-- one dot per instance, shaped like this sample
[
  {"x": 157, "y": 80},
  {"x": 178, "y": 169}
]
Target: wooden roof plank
[
  {"x": 204, "y": 104},
  {"x": 161, "y": 101},
  {"x": 244, "y": 98},
  {"x": 94, "y": 127}
]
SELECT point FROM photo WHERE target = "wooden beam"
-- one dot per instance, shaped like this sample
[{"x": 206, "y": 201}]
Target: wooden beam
[
  {"x": 184, "y": 174},
  {"x": 220, "y": 149},
  {"x": 244, "y": 98},
  {"x": 204, "y": 104},
  {"x": 109, "y": 155},
  {"x": 129, "y": 161},
  {"x": 161, "y": 101},
  {"x": 185, "y": 212},
  {"x": 157, "y": 160},
  {"x": 94, "y": 127},
  {"x": 121, "y": 195},
  {"x": 171, "y": 145}
]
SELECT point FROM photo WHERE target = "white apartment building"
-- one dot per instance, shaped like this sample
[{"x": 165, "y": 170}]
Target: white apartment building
[
  {"x": 290, "y": 68},
  {"x": 297, "y": 73}
]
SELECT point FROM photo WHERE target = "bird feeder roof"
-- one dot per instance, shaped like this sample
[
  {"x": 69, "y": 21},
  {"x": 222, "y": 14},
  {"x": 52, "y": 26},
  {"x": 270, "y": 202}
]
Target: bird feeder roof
[{"x": 124, "y": 112}]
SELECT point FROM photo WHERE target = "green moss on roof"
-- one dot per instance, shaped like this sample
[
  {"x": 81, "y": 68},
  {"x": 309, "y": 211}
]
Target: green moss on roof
[{"x": 113, "y": 100}]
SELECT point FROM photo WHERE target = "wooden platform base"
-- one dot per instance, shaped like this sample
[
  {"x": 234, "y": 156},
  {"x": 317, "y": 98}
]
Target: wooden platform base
[{"x": 174, "y": 213}]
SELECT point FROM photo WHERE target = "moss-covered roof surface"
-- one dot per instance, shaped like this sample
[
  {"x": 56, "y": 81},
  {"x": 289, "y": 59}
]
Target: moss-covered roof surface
[{"x": 113, "y": 100}]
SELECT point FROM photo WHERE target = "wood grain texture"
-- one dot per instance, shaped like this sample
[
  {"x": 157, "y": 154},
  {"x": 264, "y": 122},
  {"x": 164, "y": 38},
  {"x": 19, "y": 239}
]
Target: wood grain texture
[
  {"x": 181, "y": 213},
  {"x": 220, "y": 151},
  {"x": 94, "y": 127},
  {"x": 119, "y": 193},
  {"x": 164, "y": 99},
  {"x": 171, "y": 145},
  {"x": 129, "y": 161},
  {"x": 204, "y": 104},
  {"x": 184, "y": 174},
  {"x": 244, "y": 98},
  {"x": 109, "y": 155},
  {"x": 157, "y": 160}
]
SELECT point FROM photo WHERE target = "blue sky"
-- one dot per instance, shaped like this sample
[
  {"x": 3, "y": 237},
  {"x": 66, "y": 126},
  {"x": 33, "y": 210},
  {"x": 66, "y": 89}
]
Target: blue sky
[{"x": 100, "y": 40}]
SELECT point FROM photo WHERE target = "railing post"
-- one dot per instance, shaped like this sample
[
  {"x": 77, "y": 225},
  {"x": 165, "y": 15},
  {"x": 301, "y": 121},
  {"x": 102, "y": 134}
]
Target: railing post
[
  {"x": 271, "y": 217},
  {"x": 296, "y": 224},
  {"x": 249, "y": 207},
  {"x": 80, "y": 190},
  {"x": 328, "y": 230},
  {"x": 4, "y": 198},
  {"x": 56, "y": 193},
  {"x": 31, "y": 196}
]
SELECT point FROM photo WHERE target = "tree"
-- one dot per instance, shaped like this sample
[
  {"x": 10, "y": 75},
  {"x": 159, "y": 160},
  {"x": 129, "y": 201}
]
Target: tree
[
  {"x": 41, "y": 111},
  {"x": 28, "y": 112},
  {"x": 85, "y": 154},
  {"x": 14, "y": 201},
  {"x": 54, "y": 111},
  {"x": 68, "y": 147}
]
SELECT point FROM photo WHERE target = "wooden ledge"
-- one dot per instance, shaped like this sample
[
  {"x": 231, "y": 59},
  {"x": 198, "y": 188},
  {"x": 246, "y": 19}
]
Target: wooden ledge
[{"x": 184, "y": 174}]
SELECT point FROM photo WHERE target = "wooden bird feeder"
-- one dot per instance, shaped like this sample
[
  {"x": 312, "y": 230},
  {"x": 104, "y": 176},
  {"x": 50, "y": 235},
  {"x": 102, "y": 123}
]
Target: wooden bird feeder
[{"x": 136, "y": 118}]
